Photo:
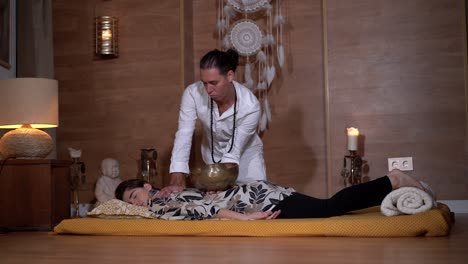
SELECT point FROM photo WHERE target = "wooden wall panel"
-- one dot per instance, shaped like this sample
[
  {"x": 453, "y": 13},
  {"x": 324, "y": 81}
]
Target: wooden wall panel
[
  {"x": 396, "y": 72},
  {"x": 295, "y": 145},
  {"x": 113, "y": 108}
]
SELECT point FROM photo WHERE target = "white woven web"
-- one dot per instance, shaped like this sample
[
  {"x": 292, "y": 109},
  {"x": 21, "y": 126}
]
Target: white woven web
[
  {"x": 247, "y": 5},
  {"x": 246, "y": 37}
]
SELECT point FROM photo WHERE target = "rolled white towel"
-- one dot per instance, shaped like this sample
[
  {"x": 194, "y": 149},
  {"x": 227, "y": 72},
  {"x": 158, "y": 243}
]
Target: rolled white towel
[{"x": 408, "y": 200}]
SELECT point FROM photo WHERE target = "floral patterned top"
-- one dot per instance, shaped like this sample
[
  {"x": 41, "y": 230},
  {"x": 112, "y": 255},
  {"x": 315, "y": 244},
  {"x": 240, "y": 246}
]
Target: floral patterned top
[{"x": 192, "y": 204}]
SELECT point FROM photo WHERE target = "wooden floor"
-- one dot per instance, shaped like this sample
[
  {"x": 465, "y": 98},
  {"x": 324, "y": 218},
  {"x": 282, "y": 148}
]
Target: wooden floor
[{"x": 42, "y": 247}]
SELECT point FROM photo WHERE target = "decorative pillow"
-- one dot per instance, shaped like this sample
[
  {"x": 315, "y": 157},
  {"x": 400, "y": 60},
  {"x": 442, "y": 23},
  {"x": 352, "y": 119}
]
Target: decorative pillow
[{"x": 119, "y": 209}]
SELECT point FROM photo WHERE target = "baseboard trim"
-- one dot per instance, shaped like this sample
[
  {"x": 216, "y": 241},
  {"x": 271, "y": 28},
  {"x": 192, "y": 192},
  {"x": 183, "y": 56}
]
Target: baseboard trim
[{"x": 456, "y": 206}]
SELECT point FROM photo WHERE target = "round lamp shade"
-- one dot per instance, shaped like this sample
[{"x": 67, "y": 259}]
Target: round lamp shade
[{"x": 32, "y": 101}]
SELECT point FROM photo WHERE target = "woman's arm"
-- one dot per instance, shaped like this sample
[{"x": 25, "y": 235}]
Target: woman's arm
[{"x": 225, "y": 213}]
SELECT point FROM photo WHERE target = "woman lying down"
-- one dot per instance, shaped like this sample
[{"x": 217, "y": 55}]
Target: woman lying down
[{"x": 260, "y": 200}]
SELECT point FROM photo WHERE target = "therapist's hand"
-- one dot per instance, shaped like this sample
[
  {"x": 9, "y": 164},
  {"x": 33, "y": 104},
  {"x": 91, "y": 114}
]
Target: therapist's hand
[
  {"x": 177, "y": 184},
  {"x": 166, "y": 191},
  {"x": 178, "y": 179}
]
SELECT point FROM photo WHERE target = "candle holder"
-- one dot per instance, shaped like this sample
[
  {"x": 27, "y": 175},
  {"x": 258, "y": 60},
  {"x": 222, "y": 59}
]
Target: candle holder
[
  {"x": 77, "y": 178},
  {"x": 148, "y": 170},
  {"x": 352, "y": 169}
]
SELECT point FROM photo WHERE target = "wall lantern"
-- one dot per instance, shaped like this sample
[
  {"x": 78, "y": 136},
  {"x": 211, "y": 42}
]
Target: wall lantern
[{"x": 106, "y": 37}]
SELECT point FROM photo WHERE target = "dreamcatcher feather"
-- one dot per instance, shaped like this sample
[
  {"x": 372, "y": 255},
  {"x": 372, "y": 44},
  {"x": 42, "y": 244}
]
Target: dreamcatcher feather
[
  {"x": 218, "y": 21},
  {"x": 226, "y": 43},
  {"x": 249, "y": 82},
  {"x": 229, "y": 12},
  {"x": 222, "y": 25},
  {"x": 269, "y": 43},
  {"x": 279, "y": 22},
  {"x": 266, "y": 106},
  {"x": 263, "y": 122},
  {"x": 261, "y": 57}
]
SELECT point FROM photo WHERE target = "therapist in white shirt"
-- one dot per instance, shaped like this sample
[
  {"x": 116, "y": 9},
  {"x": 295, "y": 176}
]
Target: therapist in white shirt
[{"x": 229, "y": 114}]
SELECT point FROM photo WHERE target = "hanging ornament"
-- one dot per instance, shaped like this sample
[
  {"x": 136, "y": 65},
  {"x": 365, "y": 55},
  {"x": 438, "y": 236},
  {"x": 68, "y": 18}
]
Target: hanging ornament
[
  {"x": 261, "y": 57},
  {"x": 249, "y": 82},
  {"x": 271, "y": 72},
  {"x": 254, "y": 28},
  {"x": 226, "y": 42},
  {"x": 266, "y": 107},
  {"x": 247, "y": 5},
  {"x": 229, "y": 12},
  {"x": 280, "y": 52},
  {"x": 263, "y": 122},
  {"x": 268, "y": 9},
  {"x": 279, "y": 22},
  {"x": 262, "y": 86},
  {"x": 246, "y": 37},
  {"x": 222, "y": 25}
]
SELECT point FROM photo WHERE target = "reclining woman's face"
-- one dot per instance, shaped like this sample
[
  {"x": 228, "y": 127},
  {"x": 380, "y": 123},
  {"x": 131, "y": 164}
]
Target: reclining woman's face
[{"x": 137, "y": 196}]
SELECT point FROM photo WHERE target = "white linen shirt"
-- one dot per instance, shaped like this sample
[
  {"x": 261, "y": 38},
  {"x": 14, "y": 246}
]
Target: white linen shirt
[{"x": 248, "y": 147}]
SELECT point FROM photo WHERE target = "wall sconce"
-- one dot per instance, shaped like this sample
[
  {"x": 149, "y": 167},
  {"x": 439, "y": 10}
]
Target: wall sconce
[
  {"x": 106, "y": 37},
  {"x": 27, "y": 104}
]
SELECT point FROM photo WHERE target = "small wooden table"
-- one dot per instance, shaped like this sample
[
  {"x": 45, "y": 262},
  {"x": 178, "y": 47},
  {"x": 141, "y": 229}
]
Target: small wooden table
[{"x": 34, "y": 193}]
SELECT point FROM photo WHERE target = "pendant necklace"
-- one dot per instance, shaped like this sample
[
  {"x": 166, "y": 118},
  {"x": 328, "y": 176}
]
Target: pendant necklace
[{"x": 233, "y": 127}]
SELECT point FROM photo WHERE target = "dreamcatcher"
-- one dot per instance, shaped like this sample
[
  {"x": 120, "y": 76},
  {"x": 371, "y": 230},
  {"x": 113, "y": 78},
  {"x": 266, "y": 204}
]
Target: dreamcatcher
[{"x": 254, "y": 28}]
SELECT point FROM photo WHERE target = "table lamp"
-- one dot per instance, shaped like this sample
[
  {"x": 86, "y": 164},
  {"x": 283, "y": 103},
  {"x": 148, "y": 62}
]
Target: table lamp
[{"x": 27, "y": 104}]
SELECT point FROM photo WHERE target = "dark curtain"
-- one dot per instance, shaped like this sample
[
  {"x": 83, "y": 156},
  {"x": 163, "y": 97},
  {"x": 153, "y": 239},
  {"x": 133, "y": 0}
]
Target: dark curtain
[
  {"x": 34, "y": 43},
  {"x": 35, "y": 57}
]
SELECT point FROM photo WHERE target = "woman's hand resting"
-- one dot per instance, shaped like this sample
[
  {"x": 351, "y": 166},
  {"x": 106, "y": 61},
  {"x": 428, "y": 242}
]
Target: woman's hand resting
[
  {"x": 263, "y": 215},
  {"x": 225, "y": 213}
]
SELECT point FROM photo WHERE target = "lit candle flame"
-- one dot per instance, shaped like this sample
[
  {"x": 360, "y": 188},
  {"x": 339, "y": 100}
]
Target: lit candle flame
[{"x": 353, "y": 131}]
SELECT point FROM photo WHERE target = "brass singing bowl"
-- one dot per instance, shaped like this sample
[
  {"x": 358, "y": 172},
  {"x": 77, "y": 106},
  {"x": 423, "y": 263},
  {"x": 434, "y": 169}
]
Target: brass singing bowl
[{"x": 215, "y": 177}]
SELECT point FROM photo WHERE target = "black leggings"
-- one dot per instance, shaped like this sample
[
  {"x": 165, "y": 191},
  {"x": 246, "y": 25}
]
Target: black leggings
[{"x": 352, "y": 198}]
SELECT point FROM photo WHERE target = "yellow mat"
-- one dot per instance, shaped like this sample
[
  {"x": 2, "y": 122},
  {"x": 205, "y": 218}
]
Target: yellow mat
[{"x": 365, "y": 223}]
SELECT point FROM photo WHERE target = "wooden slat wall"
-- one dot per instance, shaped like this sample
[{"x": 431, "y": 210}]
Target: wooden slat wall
[
  {"x": 396, "y": 72},
  {"x": 395, "y": 68},
  {"x": 113, "y": 108}
]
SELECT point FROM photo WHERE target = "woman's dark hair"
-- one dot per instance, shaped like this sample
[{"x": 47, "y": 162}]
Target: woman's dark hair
[
  {"x": 224, "y": 61},
  {"x": 128, "y": 185}
]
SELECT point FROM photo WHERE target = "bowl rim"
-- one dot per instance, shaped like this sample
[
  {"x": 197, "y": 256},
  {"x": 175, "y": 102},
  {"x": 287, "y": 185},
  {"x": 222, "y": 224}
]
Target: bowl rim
[
  {"x": 198, "y": 169},
  {"x": 233, "y": 174}
]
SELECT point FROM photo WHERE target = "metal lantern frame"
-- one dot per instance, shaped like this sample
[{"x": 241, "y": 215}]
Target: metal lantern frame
[{"x": 106, "y": 37}]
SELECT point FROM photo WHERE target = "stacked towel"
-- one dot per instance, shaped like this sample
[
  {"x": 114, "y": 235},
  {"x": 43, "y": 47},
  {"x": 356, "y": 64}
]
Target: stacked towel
[{"x": 408, "y": 200}]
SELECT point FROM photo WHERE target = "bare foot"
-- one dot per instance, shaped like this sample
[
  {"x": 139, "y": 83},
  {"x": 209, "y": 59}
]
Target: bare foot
[{"x": 399, "y": 179}]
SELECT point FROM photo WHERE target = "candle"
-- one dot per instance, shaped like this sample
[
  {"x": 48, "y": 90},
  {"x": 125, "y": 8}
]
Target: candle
[{"x": 353, "y": 134}]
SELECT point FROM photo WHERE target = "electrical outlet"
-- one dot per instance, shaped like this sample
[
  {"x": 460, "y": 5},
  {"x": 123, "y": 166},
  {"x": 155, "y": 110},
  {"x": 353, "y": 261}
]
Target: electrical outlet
[{"x": 403, "y": 164}]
